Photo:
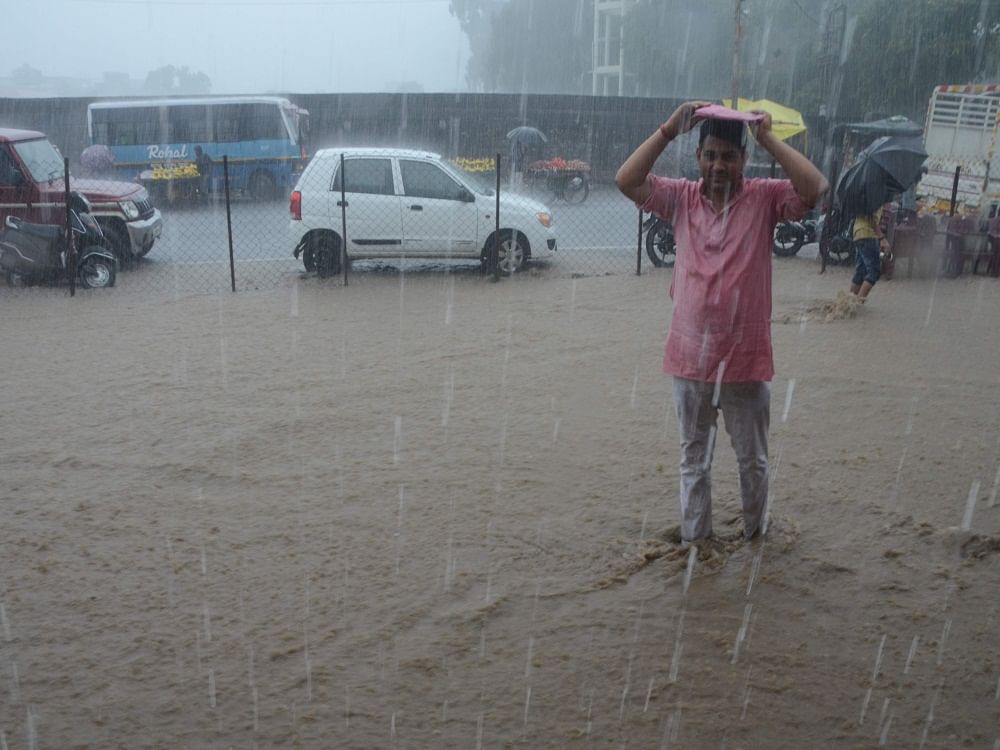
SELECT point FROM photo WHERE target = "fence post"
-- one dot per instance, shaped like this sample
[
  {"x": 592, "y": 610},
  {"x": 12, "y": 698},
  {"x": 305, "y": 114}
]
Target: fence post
[
  {"x": 638, "y": 249},
  {"x": 954, "y": 190},
  {"x": 229, "y": 222},
  {"x": 343, "y": 219},
  {"x": 70, "y": 244},
  {"x": 495, "y": 250}
]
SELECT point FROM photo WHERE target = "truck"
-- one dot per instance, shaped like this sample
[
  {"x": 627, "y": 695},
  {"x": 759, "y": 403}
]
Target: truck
[
  {"x": 960, "y": 137},
  {"x": 32, "y": 188}
]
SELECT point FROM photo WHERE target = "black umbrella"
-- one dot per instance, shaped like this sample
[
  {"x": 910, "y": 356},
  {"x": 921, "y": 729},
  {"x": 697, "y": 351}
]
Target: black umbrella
[
  {"x": 527, "y": 135},
  {"x": 888, "y": 165}
]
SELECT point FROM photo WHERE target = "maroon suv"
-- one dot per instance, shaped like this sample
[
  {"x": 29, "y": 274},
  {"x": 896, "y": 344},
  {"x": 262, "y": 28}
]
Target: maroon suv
[{"x": 32, "y": 188}]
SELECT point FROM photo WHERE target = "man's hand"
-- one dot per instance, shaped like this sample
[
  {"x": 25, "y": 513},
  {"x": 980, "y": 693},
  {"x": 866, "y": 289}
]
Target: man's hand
[
  {"x": 683, "y": 119},
  {"x": 762, "y": 130}
]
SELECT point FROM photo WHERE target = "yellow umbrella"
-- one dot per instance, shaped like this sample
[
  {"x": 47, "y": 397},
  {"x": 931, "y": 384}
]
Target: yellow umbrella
[{"x": 785, "y": 121}]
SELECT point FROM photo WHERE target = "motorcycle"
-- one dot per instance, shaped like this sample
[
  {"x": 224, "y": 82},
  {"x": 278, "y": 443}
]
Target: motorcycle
[
  {"x": 660, "y": 245},
  {"x": 836, "y": 246},
  {"x": 790, "y": 236},
  {"x": 32, "y": 253}
]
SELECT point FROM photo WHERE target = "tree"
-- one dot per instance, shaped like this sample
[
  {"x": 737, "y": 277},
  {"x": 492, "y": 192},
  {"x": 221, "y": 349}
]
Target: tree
[
  {"x": 173, "y": 80},
  {"x": 476, "y": 19},
  {"x": 26, "y": 75},
  {"x": 529, "y": 46},
  {"x": 898, "y": 58}
]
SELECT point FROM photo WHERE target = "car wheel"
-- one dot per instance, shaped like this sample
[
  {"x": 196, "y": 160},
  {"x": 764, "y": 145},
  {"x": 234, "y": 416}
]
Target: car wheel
[
  {"x": 660, "y": 246},
  {"x": 97, "y": 272},
  {"x": 262, "y": 187},
  {"x": 309, "y": 258},
  {"x": 326, "y": 257},
  {"x": 512, "y": 252},
  {"x": 116, "y": 240}
]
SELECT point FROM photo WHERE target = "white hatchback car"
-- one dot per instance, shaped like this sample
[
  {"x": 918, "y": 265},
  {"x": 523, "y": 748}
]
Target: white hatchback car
[{"x": 400, "y": 203}]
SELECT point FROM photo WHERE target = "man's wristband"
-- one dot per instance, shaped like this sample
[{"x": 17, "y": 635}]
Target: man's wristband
[{"x": 664, "y": 132}]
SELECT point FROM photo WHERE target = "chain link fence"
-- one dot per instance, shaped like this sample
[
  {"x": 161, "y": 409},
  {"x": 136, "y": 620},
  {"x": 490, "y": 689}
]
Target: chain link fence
[
  {"x": 216, "y": 193},
  {"x": 191, "y": 231}
]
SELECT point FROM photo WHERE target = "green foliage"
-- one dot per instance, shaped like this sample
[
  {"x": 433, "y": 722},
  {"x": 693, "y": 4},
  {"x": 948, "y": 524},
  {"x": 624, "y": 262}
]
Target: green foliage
[
  {"x": 899, "y": 49},
  {"x": 528, "y": 46},
  {"x": 898, "y": 57}
]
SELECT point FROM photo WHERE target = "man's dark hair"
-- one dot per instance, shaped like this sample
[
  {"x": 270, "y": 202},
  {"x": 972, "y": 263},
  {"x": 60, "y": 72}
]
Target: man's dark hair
[{"x": 730, "y": 131}]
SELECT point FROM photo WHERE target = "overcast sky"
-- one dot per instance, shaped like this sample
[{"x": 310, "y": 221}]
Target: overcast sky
[{"x": 245, "y": 46}]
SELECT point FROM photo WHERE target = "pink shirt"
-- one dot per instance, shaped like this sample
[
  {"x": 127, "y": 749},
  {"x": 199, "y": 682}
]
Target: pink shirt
[{"x": 721, "y": 326}]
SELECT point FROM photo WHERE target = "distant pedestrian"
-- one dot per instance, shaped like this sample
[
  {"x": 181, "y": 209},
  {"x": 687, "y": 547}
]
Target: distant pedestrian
[
  {"x": 518, "y": 155},
  {"x": 204, "y": 164}
]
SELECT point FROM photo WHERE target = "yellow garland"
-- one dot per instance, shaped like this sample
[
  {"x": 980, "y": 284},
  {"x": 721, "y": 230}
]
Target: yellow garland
[
  {"x": 478, "y": 164},
  {"x": 174, "y": 172}
]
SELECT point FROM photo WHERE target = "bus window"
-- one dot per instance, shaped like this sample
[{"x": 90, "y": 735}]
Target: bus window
[
  {"x": 188, "y": 124},
  {"x": 125, "y": 127},
  {"x": 261, "y": 122},
  {"x": 226, "y": 118}
]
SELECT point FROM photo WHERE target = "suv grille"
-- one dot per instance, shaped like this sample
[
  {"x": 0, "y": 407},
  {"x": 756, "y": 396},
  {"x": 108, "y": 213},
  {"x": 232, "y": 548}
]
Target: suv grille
[{"x": 145, "y": 206}]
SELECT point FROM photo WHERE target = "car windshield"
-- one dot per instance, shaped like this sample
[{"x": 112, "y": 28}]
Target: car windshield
[
  {"x": 41, "y": 158},
  {"x": 481, "y": 182}
]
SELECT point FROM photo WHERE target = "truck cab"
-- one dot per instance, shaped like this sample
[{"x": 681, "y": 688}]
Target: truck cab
[{"x": 32, "y": 187}]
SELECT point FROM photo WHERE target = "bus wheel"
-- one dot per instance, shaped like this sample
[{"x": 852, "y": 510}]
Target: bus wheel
[{"x": 262, "y": 187}]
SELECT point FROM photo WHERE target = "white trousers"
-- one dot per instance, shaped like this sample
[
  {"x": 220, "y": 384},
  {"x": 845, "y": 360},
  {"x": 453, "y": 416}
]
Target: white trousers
[{"x": 746, "y": 409}]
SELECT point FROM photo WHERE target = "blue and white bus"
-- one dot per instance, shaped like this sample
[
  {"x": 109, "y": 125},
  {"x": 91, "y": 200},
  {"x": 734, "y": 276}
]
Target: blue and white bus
[{"x": 263, "y": 136}]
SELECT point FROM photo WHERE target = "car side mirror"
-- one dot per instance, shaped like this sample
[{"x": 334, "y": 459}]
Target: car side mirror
[{"x": 466, "y": 196}]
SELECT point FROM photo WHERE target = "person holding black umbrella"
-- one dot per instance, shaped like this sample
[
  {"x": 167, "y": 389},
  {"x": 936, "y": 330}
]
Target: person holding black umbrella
[
  {"x": 885, "y": 168},
  {"x": 869, "y": 243}
]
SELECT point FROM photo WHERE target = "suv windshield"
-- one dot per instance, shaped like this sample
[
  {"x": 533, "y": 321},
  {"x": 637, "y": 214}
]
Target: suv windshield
[{"x": 41, "y": 159}]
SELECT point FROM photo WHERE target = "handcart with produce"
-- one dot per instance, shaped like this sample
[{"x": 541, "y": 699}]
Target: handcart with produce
[
  {"x": 172, "y": 181},
  {"x": 568, "y": 180}
]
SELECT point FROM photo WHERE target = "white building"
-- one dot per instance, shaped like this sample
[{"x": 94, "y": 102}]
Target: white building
[{"x": 608, "y": 74}]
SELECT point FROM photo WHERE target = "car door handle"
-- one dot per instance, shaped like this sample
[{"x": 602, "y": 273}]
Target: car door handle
[
  {"x": 343, "y": 203},
  {"x": 416, "y": 207}
]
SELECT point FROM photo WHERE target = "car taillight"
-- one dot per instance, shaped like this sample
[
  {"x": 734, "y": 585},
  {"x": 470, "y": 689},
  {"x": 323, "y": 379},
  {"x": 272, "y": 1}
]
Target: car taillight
[{"x": 295, "y": 205}]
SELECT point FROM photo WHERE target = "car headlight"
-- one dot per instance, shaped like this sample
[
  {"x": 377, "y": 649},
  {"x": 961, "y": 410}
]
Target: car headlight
[
  {"x": 544, "y": 219},
  {"x": 130, "y": 209}
]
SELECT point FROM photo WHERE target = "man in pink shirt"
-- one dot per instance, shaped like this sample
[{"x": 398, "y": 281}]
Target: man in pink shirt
[{"x": 719, "y": 346}]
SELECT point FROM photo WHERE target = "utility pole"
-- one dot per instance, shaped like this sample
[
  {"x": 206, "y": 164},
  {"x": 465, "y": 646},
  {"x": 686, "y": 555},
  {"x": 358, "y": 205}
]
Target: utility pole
[{"x": 737, "y": 42}]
